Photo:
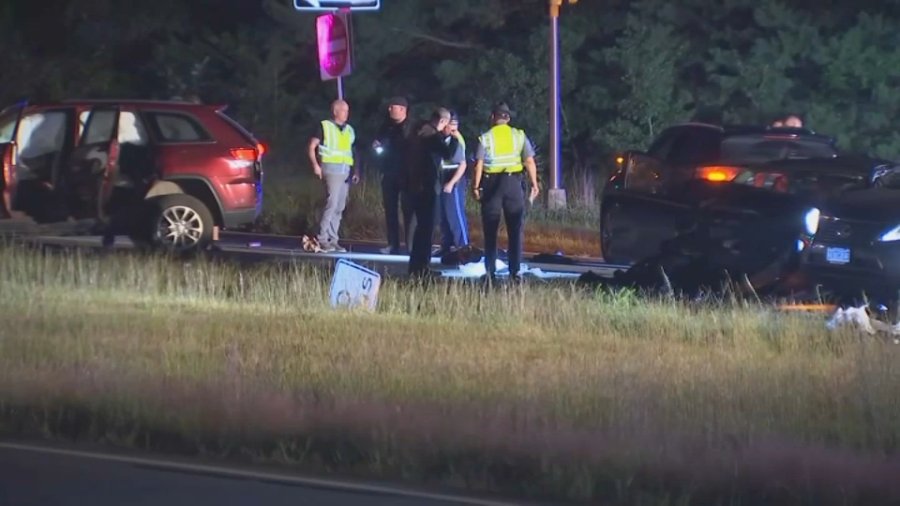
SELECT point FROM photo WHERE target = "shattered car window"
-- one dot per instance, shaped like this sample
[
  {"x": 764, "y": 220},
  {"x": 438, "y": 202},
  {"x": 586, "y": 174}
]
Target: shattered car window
[{"x": 761, "y": 150}]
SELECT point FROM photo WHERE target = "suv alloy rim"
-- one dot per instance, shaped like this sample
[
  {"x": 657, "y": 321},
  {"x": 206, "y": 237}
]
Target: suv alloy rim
[{"x": 180, "y": 227}]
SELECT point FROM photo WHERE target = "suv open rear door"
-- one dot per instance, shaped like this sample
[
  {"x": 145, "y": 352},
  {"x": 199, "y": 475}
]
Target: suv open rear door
[
  {"x": 94, "y": 163},
  {"x": 9, "y": 127}
]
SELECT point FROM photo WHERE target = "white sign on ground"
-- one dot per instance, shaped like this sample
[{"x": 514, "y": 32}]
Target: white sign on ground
[{"x": 354, "y": 285}]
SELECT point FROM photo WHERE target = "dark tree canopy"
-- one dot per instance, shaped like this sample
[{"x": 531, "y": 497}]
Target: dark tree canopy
[{"x": 629, "y": 68}]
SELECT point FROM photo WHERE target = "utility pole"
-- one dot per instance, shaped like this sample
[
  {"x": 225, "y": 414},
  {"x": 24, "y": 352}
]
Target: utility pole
[{"x": 556, "y": 197}]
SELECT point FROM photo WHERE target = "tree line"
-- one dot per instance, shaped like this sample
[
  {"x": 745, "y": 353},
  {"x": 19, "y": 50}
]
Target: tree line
[{"x": 629, "y": 68}]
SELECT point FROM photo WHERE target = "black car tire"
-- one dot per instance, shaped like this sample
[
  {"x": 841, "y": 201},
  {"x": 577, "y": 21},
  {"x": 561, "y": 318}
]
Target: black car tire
[{"x": 177, "y": 223}]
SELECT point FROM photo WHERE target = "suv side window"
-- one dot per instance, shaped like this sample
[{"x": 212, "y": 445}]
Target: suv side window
[
  {"x": 7, "y": 124},
  {"x": 176, "y": 127},
  {"x": 99, "y": 126},
  {"x": 132, "y": 130},
  {"x": 41, "y": 133}
]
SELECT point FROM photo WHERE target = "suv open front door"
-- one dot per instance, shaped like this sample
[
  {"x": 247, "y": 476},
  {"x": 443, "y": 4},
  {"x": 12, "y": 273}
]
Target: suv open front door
[
  {"x": 9, "y": 126},
  {"x": 94, "y": 164}
]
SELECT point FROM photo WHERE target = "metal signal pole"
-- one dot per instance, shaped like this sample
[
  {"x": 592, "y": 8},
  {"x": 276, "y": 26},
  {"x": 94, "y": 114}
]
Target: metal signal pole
[{"x": 557, "y": 195}]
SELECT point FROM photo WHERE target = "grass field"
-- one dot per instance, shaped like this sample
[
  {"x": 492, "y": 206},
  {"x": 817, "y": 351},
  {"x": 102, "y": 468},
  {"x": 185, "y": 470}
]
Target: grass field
[
  {"x": 540, "y": 391},
  {"x": 293, "y": 206}
]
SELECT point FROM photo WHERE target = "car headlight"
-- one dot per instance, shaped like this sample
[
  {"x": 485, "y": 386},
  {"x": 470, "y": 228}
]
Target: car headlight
[
  {"x": 891, "y": 235},
  {"x": 811, "y": 221}
]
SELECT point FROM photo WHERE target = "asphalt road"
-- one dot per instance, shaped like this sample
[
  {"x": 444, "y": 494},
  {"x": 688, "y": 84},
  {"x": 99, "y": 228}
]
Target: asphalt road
[{"x": 48, "y": 476}]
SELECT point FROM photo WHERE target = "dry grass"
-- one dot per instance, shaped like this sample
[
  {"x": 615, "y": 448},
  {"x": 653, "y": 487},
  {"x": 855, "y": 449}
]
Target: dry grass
[
  {"x": 293, "y": 206},
  {"x": 541, "y": 391}
]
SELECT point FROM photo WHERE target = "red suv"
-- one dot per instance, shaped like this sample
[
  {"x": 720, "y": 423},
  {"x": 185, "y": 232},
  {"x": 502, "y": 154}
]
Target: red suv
[{"x": 162, "y": 172}]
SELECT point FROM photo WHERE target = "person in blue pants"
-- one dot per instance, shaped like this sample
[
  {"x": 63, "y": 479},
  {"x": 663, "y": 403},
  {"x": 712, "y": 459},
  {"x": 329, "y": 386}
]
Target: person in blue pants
[{"x": 452, "y": 207}]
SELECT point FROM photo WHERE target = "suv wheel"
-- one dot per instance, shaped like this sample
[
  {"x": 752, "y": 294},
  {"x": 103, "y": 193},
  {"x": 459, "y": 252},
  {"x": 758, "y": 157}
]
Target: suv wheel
[{"x": 179, "y": 224}]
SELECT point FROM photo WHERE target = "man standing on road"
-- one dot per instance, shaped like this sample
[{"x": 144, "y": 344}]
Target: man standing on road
[
  {"x": 331, "y": 151},
  {"x": 502, "y": 155},
  {"x": 390, "y": 147},
  {"x": 454, "y": 226},
  {"x": 431, "y": 144}
]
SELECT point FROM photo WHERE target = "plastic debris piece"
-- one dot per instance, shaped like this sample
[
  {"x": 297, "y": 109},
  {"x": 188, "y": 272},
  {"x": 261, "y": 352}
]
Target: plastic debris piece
[{"x": 858, "y": 318}]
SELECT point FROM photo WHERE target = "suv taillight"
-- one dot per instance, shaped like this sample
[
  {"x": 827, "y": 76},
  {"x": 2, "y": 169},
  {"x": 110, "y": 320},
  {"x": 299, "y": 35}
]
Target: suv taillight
[
  {"x": 717, "y": 173},
  {"x": 771, "y": 180},
  {"x": 246, "y": 154},
  {"x": 249, "y": 154}
]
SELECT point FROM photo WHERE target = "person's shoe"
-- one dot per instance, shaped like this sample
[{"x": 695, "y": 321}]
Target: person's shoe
[
  {"x": 337, "y": 248},
  {"x": 439, "y": 252},
  {"x": 387, "y": 250},
  {"x": 326, "y": 248}
]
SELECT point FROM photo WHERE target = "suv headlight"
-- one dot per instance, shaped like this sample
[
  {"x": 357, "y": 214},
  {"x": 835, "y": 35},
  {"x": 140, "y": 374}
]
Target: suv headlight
[
  {"x": 891, "y": 235},
  {"x": 811, "y": 221}
]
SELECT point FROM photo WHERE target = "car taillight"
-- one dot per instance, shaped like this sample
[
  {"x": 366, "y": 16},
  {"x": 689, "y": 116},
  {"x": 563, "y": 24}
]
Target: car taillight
[
  {"x": 718, "y": 173},
  {"x": 771, "y": 180},
  {"x": 261, "y": 149},
  {"x": 245, "y": 154}
]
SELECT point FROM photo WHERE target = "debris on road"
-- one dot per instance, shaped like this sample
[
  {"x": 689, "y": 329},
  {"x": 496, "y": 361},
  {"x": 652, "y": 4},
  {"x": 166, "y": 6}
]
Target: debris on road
[
  {"x": 311, "y": 244},
  {"x": 859, "y": 319}
]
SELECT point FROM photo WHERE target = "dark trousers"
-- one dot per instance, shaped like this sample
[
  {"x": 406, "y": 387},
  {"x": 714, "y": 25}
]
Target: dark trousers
[
  {"x": 424, "y": 206},
  {"x": 454, "y": 226},
  {"x": 393, "y": 196},
  {"x": 503, "y": 194}
]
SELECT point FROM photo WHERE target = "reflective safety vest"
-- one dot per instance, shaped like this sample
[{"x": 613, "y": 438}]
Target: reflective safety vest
[
  {"x": 503, "y": 146},
  {"x": 337, "y": 146},
  {"x": 451, "y": 165}
]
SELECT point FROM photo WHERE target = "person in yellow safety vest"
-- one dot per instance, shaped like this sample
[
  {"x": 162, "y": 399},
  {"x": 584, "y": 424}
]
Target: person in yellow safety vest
[
  {"x": 331, "y": 154},
  {"x": 452, "y": 202},
  {"x": 503, "y": 154}
]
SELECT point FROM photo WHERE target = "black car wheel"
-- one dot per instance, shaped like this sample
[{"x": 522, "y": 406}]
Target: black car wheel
[{"x": 176, "y": 224}]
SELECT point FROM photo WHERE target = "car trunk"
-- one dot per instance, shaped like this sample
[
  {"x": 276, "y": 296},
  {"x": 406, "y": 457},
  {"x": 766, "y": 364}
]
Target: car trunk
[{"x": 821, "y": 180}]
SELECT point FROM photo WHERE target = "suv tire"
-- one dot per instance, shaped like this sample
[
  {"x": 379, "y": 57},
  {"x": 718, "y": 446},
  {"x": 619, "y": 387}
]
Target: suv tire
[{"x": 176, "y": 223}]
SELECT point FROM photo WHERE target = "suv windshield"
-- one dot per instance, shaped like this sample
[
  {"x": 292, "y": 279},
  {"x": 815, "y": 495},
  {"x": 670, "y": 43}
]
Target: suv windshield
[{"x": 762, "y": 149}]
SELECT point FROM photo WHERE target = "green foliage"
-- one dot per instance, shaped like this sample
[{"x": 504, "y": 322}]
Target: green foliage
[{"x": 648, "y": 95}]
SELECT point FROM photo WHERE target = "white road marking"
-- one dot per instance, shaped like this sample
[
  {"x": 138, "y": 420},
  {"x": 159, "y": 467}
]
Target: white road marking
[{"x": 256, "y": 475}]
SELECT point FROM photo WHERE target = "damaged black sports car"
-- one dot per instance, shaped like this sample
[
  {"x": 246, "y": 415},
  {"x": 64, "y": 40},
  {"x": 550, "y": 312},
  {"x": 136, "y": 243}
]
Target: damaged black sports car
[
  {"x": 857, "y": 245},
  {"x": 739, "y": 201}
]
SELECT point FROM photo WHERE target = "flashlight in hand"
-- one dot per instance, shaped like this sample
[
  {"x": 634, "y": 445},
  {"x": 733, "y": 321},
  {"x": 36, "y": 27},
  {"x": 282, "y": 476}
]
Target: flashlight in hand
[{"x": 379, "y": 148}]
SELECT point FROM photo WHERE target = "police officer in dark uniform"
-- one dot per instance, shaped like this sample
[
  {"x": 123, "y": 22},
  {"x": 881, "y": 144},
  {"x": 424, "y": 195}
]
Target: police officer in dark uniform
[
  {"x": 429, "y": 146},
  {"x": 503, "y": 156},
  {"x": 390, "y": 147}
]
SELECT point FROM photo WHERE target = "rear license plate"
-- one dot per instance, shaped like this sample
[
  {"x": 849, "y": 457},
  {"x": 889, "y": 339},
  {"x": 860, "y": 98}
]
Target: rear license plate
[{"x": 837, "y": 255}]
